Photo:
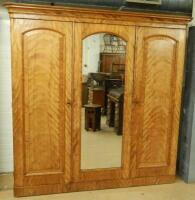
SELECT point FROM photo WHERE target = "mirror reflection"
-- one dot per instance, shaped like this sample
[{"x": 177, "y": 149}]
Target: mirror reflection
[{"x": 103, "y": 72}]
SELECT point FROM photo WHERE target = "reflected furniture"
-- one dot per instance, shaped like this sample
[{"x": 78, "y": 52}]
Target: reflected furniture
[
  {"x": 96, "y": 96},
  {"x": 92, "y": 117},
  {"x": 111, "y": 83},
  {"x": 98, "y": 77},
  {"x": 115, "y": 109},
  {"x": 110, "y": 62},
  {"x": 85, "y": 93},
  {"x": 47, "y": 92},
  {"x": 118, "y": 68},
  {"x": 97, "y": 93}
]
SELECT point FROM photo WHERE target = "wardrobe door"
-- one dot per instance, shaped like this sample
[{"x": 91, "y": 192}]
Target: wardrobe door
[
  {"x": 156, "y": 100},
  {"x": 101, "y": 158},
  {"x": 41, "y": 105}
]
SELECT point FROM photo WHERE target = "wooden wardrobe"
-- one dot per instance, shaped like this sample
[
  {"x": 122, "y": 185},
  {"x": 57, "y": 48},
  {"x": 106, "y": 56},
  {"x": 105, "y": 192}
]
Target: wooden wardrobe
[{"x": 46, "y": 82}]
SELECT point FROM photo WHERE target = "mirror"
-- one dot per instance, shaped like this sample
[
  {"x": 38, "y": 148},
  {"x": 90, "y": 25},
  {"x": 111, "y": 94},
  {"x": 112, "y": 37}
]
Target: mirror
[{"x": 103, "y": 72}]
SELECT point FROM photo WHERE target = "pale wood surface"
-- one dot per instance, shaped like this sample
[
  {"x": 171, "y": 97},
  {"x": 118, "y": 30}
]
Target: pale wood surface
[
  {"x": 127, "y": 34},
  {"x": 93, "y": 185},
  {"x": 92, "y": 13},
  {"x": 46, "y": 78},
  {"x": 178, "y": 190},
  {"x": 41, "y": 90},
  {"x": 57, "y": 13},
  {"x": 157, "y": 92}
]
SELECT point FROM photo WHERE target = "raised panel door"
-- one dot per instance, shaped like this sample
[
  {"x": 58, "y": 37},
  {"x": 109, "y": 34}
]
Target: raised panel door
[
  {"x": 156, "y": 99},
  {"x": 41, "y": 105}
]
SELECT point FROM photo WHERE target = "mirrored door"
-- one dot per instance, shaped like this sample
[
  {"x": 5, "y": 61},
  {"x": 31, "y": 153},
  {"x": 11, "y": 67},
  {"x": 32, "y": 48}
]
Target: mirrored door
[
  {"x": 103, "y": 79},
  {"x": 102, "y": 96}
]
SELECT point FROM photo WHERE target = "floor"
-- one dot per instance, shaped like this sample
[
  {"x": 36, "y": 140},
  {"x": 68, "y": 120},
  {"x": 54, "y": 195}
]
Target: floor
[
  {"x": 100, "y": 149},
  {"x": 176, "y": 191}
]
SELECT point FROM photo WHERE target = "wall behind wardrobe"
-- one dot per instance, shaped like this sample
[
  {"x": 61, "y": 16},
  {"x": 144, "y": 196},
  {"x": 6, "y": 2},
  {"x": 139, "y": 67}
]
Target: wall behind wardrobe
[
  {"x": 6, "y": 152},
  {"x": 190, "y": 177},
  {"x": 193, "y": 21}
]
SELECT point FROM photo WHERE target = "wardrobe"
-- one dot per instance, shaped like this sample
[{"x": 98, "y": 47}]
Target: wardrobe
[{"x": 47, "y": 87}]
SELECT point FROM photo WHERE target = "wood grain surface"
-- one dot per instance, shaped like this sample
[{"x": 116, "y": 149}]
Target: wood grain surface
[
  {"x": 92, "y": 15},
  {"x": 41, "y": 63},
  {"x": 127, "y": 33},
  {"x": 158, "y": 66},
  {"x": 46, "y": 84}
]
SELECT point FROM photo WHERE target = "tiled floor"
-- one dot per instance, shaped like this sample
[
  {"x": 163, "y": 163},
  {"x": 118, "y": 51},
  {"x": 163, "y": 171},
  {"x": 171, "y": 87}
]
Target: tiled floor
[{"x": 176, "y": 191}]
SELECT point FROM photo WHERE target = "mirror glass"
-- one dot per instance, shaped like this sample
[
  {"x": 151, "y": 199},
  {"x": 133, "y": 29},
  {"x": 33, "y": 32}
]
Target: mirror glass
[{"x": 103, "y": 72}]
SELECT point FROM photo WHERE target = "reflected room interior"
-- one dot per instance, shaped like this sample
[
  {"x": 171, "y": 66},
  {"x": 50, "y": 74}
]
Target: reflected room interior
[{"x": 103, "y": 79}]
